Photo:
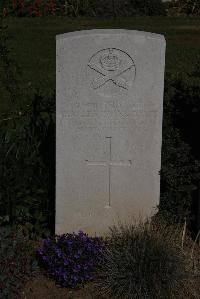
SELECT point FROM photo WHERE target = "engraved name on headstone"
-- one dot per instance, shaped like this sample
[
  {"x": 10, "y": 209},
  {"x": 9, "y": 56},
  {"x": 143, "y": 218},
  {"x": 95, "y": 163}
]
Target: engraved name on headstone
[{"x": 109, "y": 90}]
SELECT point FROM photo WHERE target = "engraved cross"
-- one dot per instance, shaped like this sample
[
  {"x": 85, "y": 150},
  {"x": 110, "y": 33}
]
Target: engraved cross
[{"x": 109, "y": 163}]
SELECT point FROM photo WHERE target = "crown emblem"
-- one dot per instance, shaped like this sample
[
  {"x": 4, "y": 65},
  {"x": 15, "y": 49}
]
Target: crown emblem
[
  {"x": 114, "y": 66},
  {"x": 110, "y": 61}
]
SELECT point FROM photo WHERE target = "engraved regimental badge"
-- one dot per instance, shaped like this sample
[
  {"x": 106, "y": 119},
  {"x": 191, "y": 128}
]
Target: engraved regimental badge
[{"x": 112, "y": 66}]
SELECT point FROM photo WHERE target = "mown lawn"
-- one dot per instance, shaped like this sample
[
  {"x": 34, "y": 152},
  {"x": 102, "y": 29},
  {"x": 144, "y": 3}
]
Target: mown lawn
[{"x": 32, "y": 43}]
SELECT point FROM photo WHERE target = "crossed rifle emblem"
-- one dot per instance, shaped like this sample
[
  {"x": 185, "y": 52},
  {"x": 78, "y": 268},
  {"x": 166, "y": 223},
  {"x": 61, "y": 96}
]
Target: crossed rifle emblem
[{"x": 107, "y": 75}]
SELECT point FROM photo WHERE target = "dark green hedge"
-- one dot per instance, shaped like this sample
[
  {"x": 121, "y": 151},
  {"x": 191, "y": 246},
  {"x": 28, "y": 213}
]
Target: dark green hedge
[
  {"x": 91, "y": 8},
  {"x": 180, "y": 174}
]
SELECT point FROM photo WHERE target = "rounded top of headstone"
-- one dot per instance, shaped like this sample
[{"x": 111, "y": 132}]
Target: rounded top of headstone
[{"x": 111, "y": 32}]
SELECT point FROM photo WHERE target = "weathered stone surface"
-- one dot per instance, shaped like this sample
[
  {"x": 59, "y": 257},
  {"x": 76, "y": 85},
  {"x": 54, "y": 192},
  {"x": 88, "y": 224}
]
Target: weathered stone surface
[{"x": 109, "y": 127}]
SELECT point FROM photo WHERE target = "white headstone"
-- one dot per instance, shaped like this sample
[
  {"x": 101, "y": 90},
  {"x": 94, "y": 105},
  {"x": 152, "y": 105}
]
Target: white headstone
[{"x": 109, "y": 127}]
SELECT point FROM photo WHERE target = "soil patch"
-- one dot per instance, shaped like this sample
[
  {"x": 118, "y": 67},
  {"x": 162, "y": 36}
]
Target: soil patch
[{"x": 41, "y": 287}]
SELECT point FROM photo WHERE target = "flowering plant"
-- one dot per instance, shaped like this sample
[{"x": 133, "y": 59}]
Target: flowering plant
[
  {"x": 31, "y": 8},
  {"x": 71, "y": 258}
]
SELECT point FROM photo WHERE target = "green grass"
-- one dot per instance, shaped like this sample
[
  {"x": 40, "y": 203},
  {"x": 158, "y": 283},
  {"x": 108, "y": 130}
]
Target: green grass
[{"x": 32, "y": 42}]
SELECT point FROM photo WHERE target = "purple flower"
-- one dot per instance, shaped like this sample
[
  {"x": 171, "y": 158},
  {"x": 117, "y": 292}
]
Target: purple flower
[
  {"x": 70, "y": 258},
  {"x": 40, "y": 251},
  {"x": 70, "y": 242},
  {"x": 77, "y": 268},
  {"x": 65, "y": 276},
  {"x": 81, "y": 233},
  {"x": 85, "y": 267},
  {"x": 47, "y": 242},
  {"x": 66, "y": 261},
  {"x": 58, "y": 252},
  {"x": 74, "y": 278},
  {"x": 45, "y": 258}
]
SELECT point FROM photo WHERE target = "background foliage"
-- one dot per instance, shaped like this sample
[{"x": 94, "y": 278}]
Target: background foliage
[
  {"x": 17, "y": 261},
  {"x": 187, "y": 7},
  {"x": 27, "y": 153},
  {"x": 180, "y": 173},
  {"x": 27, "y": 134},
  {"x": 91, "y": 8}
]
